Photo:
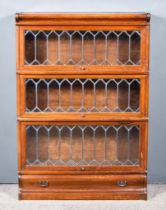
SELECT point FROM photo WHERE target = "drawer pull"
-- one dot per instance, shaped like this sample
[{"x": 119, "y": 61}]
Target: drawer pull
[
  {"x": 43, "y": 183},
  {"x": 82, "y": 68},
  {"x": 122, "y": 183}
]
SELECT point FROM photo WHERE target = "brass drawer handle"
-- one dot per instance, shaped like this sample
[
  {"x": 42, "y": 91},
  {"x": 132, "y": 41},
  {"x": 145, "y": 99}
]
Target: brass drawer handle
[
  {"x": 43, "y": 183},
  {"x": 122, "y": 183},
  {"x": 82, "y": 68}
]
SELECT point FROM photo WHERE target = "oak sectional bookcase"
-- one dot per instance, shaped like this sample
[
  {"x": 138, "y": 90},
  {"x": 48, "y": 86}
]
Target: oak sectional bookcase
[{"x": 82, "y": 105}]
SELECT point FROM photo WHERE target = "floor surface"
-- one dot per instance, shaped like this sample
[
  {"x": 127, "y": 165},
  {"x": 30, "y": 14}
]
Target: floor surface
[{"x": 9, "y": 201}]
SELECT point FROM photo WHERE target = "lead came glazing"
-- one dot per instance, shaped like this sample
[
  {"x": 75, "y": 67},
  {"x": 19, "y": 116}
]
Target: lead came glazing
[
  {"x": 82, "y": 145},
  {"x": 82, "y": 95},
  {"x": 82, "y": 47}
]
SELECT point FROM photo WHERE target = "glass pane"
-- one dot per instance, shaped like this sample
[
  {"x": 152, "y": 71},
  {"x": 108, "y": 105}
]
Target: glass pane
[
  {"x": 123, "y": 48},
  {"x": 82, "y": 145},
  {"x": 82, "y": 47},
  {"x": 41, "y": 46},
  {"x": 31, "y": 144},
  {"x": 82, "y": 95}
]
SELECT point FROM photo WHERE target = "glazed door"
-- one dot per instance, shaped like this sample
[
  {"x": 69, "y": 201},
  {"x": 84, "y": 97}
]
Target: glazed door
[
  {"x": 92, "y": 147},
  {"x": 77, "y": 49},
  {"x": 83, "y": 98}
]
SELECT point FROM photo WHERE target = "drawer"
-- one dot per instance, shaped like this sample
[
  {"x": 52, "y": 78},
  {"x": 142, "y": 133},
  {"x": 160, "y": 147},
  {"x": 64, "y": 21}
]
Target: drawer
[
  {"x": 83, "y": 182},
  {"x": 75, "y": 185}
]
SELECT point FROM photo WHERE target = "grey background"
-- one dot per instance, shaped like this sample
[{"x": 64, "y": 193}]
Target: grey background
[{"x": 157, "y": 125}]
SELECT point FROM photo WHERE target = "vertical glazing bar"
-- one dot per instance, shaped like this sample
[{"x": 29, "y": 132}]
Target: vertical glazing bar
[
  {"x": 46, "y": 47},
  {"x": 71, "y": 94},
  {"x": 59, "y": 95},
  {"x": 48, "y": 144},
  {"x": 105, "y": 140},
  {"x": 59, "y": 49},
  {"x": 83, "y": 87},
  {"x": 94, "y": 49},
  {"x": 35, "y": 48},
  {"x": 117, "y": 53},
  {"x": 94, "y": 93},
  {"x": 82, "y": 48},
  {"x": 117, "y": 95},
  {"x": 117, "y": 136},
  {"x": 59, "y": 142},
  {"x": 129, "y": 52},
  {"x": 70, "y": 146},
  {"x": 129, "y": 95},
  {"x": 94, "y": 143},
  {"x": 56, "y": 46},
  {"x": 106, "y": 95},
  {"x": 82, "y": 131},
  {"x": 70, "y": 47},
  {"x": 48, "y": 96},
  {"x": 106, "y": 49},
  {"x": 36, "y": 95},
  {"x": 128, "y": 139},
  {"x": 37, "y": 143}
]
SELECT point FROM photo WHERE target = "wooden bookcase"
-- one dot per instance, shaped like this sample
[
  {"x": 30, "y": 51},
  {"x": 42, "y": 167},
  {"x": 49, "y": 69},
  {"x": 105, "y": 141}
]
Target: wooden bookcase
[{"x": 82, "y": 105}]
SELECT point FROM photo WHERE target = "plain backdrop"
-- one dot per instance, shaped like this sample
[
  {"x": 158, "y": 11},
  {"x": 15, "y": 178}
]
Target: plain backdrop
[{"x": 157, "y": 114}]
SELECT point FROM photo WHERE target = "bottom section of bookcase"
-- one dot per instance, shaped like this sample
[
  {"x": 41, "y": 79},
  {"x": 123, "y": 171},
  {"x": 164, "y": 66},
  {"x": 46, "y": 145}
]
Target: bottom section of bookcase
[{"x": 83, "y": 187}]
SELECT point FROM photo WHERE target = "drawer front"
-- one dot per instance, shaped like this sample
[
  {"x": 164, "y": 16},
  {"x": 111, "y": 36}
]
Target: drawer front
[
  {"x": 83, "y": 183},
  {"x": 74, "y": 50},
  {"x": 83, "y": 147},
  {"x": 60, "y": 96}
]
